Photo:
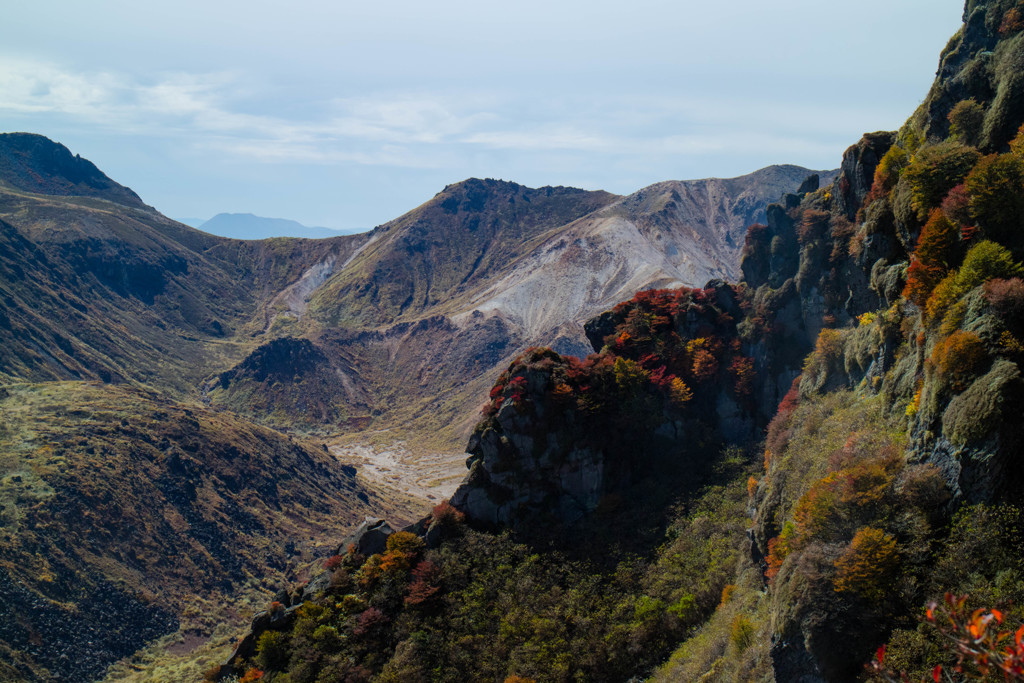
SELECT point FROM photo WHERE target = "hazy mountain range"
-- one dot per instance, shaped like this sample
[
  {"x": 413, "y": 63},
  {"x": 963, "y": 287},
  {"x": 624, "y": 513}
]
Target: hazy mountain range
[{"x": 245, "y": 226}]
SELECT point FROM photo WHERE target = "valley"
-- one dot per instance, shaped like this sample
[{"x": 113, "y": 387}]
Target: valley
[
  {"x": 368, "y": 355},
  {"x": 744, "y": 429}
]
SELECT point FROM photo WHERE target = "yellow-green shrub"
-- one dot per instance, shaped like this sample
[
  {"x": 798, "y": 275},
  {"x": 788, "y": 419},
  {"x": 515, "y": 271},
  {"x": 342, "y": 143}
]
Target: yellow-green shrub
[
  {"x": 985, "y": 261},
  {"x": 965, "y": 122},
  {"x": 935, "y": 170},
  {"x": 996, "y": 190}
]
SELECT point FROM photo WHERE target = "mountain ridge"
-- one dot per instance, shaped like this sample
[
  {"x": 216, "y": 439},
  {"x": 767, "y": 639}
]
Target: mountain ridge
[{"x": 35, "y": 164}]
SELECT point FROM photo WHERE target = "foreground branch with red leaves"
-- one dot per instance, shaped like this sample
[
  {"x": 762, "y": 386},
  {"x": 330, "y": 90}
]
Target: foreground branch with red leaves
[{"x": 983, "y": 650}]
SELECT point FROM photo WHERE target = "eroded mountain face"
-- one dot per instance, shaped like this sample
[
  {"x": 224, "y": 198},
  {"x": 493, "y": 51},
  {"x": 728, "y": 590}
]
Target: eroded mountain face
[{"x": 438, "y": 301}]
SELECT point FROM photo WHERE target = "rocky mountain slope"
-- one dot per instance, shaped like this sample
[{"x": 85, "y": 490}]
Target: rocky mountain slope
[
  {"x": 442, "y": 298},
  {"x": 34, "y": 164},
  {"x": 181, "y": 302},
  {"x": 137, "y": 356},
  {"x": 875, "y": 339},
  {"x": 127, "y": 516}
]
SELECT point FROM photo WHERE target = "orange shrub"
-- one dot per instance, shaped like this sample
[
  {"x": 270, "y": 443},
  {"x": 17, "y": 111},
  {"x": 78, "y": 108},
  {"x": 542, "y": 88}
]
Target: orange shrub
[
  {"x": 843, "y": 499},
  {"x": 938, "y": 244},
  {"x": 446, "y": 514},
  {"x": 703, "y": 353},
  {"x": 1013, "y": 22},
  {"x": 868, "y": 564},
  {"x": 1017, "y": 144},
  {"x": 679, "y": 392},
  {"x": 779, "y": 549},
  {"x": 251, "y": 675},
  {"x": 424, "y": 586},
  {"x": 921, "y": 281},
  {"x": 957, "y": 357},
  {"x": 402, "y": 549},
  {"x": 742, "y": 371},
  {"x": 936, "y": 253},
  {"x": 887, "y": 173}
]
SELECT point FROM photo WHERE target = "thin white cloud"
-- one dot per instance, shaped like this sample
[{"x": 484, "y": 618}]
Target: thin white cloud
[{"x": 214, "y": 112}]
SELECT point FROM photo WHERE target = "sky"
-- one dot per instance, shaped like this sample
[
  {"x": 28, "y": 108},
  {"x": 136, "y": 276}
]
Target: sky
[{"x": 346, "y": 115}]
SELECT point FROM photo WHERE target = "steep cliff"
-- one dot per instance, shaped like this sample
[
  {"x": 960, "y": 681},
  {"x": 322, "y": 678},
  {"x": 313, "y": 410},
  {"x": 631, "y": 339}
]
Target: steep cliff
[{"x": 562, "y": 434}]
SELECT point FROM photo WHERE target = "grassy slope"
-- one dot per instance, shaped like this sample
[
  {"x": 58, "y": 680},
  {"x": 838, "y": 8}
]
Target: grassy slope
[
  {"x": 124, "y": 512},
  {"x": 96, "y": 290}
]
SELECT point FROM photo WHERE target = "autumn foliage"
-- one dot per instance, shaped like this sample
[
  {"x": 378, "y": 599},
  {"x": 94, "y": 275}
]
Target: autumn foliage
[
  {"x": 996, "y": 190},
  {"x": 982, "y": 647},
  {"x": 868, "y": 564},
  {"x": 937, "y": 252},
  {"x": 779, "y": 429},
  {"x": 253, "y": 674},
  {"x": 957, "y": 357},
  {"x": 447, "y": 515},
  {"x": 425, "y": 579},
  {"x": 664, "y": 348}
]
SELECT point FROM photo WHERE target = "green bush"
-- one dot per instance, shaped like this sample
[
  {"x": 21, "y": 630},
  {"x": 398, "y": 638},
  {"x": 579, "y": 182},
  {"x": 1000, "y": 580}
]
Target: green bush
[
  {"x": 984, "y": 261},
  {"x": 272, "y": 650},
  {"x": 741, "y": 632},
  {"x": 996, "y": 191},
  {"x": 935, "y": 170},
  {"x": 965, "y": 122}
]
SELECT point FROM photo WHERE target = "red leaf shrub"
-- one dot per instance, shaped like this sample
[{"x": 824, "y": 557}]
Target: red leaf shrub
[
  {"x": 446, "y": 514},
  {"x": 426, "y": 576},
  {"x": 369, "y": 622},
  {"x": 936, "y": 253},
  {"x": 779, "y": 428},
  {"x": 1006, "y": 296},
  {"x": 957, "y": 206}
]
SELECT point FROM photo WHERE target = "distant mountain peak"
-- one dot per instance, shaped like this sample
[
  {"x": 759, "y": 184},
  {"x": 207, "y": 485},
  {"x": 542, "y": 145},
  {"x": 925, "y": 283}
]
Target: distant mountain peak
[
  {"x": 247, "y": 226},
  {"x": 37, "y": 164}
]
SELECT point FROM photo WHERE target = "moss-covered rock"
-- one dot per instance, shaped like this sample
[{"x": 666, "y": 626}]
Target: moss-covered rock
[{"x": 976, "y": 414}]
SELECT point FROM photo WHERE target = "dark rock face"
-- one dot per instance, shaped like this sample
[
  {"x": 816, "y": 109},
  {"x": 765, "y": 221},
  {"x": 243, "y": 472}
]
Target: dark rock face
[
  {"x": 961, "y": 73},
  {"x": 562, "y": 434},
  {"x": 513, "y": 479},
  {"x": 369, "y": 538},
  {"x": 280, "y": 359},
  {"x": 37, "y": 164},
  {"x": 858, "y": 171}
]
